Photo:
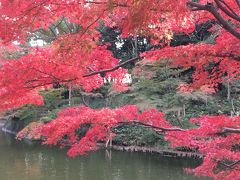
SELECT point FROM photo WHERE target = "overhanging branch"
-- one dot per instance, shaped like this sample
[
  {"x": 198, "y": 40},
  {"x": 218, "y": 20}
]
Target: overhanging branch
[
  {"x": 229, "y": 55},
  {"x": 230, "y": 130},
  {"x": 115, "y": 4},
  {"x": 212, "y": 9},
  {"x": 196, "y": 6},
  {"x": 229, "y": 12},
  {"x": 156, "y": 128},
  {"x": 230, "y": 165},
  {"x": 114, "y": 68},
  {"x": 238, "y": 2}
]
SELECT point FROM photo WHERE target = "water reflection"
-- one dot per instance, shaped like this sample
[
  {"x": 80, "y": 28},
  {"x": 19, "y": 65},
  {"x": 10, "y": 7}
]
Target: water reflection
[{"x": 20, "y": 161}]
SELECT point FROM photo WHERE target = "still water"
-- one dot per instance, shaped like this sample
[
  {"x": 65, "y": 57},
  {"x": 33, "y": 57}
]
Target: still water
[{"x": 21, "y": 161}]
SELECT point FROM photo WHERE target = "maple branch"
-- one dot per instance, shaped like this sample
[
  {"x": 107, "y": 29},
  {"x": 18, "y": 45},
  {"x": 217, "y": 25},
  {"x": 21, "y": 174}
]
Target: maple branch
[
  {"x": 112, "y": 3},
  {"x": 86, "y": 75},
  {"x": 69, "y": 29},
  {"x": 114, "y": 68},
  {"x": 224, "y": 131},
  {"x": 83, "y": 100},
  {"x": 54, "y": 34},
  {"x": 238, "y": 2},
  {"x": 46, "y": 83},
  {"x": 92, "y": 23},
  {"x": 231, "y": 14},
  {"x": 196, "y": 6},
  {"x": 82, "y": 94},
  {"x": 156, "y": 128},
  {"x": 222, "y": 21},
  {"x": 222, "y": 1},
  {"x": 230, "y": 165},
  {"x": 210, "y": 8},
  {"x": 45, "y": 73},
  {"x": 60, "y": 22},
  {"x": 32, "y": 8},
  {"x": 230, "y": 130},
  {"x": 233, "y": 56}
]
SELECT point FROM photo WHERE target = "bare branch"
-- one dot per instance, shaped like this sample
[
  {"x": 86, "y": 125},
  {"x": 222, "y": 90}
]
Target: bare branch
[
  {"x": 156, "y": 128},
  {"x": 83, "y": 101},
  {"x": 230, "y": 130},
  {"x": 112, "y": 3},
  {"x": 230, "y": 165},
  {"x": 229, "y": 55},
  {"x": 52, "y": 30},
  {"x": 196, "y": 6},
  {"x": 114, "y": 68},
  {"x": 29, "y": 86},
  {"x": 86, "y": 75}
]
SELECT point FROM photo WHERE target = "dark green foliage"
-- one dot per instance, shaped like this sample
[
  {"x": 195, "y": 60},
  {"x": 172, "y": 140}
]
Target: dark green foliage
[
  {"x": 53, "y": 102},
  {"x": 160, "y": 91},
  {"x": 52, "y": 98},
  {"x": 130, "y": 47},
  {"x": 29, "y": 113},
  {"x": 201, "y": 33},
  {"x": 128, "y": 135},
  {"x": 123, "y": 48}
]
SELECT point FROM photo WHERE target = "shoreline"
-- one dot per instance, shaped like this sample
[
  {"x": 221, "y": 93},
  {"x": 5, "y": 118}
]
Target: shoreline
[
  {"x": 162, "y": 152},
  {"x": 5, "y": 130}
]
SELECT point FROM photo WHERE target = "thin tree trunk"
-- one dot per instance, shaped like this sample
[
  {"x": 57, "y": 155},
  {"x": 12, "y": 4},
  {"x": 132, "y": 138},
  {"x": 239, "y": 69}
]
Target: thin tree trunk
[
  {"x": 184, "y": 110},
  {"x": 69, "y": 94},
  {"x": 228, "y": 90},
  {"x": 233, "y": 112},
  {"x": 135, "y": 47}
]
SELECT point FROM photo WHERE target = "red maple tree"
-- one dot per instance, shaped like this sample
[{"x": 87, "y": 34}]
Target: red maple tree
[{"x": 78, "y": 59}]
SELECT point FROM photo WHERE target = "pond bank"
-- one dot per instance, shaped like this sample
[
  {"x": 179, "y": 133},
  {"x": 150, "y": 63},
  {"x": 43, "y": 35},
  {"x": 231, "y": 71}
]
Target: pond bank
[
  {"x": 2, "y": 123},
  {"x": 5, "y": 125},
  {"x": 162, "y": 152}
]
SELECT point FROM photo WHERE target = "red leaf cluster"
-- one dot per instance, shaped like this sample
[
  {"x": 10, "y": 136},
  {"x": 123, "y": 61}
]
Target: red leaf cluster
[
  {"x": 224, "y": 55},
  {"x": 215, "y": 142},
  {"x": 64, "y": 130}
]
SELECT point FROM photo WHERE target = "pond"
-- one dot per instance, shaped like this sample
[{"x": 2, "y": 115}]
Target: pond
[{"x": 21, "y": 161}]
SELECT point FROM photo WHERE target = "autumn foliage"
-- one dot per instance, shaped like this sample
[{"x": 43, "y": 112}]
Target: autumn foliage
[
  {"x": 216, "y": 139},
  {"x": 64, "y": 130},
  {"x": 79, "y": 59}
]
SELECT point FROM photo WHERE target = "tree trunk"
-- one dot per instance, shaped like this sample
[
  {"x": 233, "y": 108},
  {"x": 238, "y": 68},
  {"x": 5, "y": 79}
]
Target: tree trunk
[
  {"x": 135, "y": 47},
  {"x": 228, "y": 90},
  {"x": 69, "y": 94}
]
